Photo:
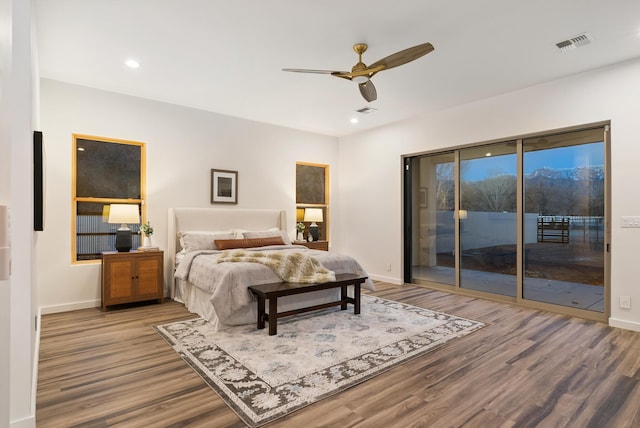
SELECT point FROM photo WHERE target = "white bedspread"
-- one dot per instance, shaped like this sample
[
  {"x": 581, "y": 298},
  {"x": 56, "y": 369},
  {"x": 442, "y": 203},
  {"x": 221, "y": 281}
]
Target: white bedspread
[{"x": 227, "y": 283}]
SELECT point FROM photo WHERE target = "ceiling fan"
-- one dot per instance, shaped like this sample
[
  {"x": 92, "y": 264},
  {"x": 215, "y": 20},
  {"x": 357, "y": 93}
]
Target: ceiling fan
[{"x": 362, "y": 74}]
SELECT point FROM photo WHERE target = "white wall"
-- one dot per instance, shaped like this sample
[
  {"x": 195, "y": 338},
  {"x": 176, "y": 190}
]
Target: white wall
[
  {"x": 479, "y": 229},
  {"x": 17, "y": 308},
  {"x": 183, "y": 145},
  {"x": 612, "y": 93},
  {"x": 5, "y": 196}
]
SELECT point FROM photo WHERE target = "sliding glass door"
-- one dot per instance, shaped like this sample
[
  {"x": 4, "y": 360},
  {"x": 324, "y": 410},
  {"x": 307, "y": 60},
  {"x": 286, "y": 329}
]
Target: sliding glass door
[
  {"x": 523, "y": 220},
  {"x": 564, "y": 203},
  {"x": 487, "y": 218},
  {"x": 433, "y": 246}
]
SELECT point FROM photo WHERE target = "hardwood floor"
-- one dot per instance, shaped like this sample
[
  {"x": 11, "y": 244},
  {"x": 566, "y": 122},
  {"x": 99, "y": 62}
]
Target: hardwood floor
[{"x": 526, "y": 368}]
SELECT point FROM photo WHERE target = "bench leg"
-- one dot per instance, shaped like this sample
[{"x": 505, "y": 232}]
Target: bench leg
[
  {"x": 343, "y": 297},
  {"x": 261, "y": 313},
  {"x": 273, "y": 316},
  {"x": 356, "y": 298}
]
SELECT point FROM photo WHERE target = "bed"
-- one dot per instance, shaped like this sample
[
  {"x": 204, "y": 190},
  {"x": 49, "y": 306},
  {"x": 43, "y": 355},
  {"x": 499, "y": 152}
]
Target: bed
[{"x": 219, "y": 292}]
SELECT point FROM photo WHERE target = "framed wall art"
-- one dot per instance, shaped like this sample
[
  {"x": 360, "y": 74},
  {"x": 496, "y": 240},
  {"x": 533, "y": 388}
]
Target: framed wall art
[{"x": 224, "y": 186}]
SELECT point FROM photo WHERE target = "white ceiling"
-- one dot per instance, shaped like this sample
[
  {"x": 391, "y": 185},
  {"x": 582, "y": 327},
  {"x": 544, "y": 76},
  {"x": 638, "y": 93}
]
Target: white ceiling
[{"x": 227, "y": 56}]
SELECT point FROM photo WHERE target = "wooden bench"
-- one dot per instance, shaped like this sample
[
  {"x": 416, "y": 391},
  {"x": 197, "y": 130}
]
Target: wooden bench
[{"x": 274, "y": 290}]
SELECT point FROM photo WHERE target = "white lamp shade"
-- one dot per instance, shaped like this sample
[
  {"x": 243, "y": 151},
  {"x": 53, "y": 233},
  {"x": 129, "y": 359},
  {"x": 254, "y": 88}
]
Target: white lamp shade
[
  {"x": 313, "y": 214},
  {"x": 124, "y": 214}
]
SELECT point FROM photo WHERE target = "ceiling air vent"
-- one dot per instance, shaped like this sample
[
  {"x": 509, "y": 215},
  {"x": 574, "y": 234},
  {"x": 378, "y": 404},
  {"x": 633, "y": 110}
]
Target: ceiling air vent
[
  {"x": 365, "y": 110},
  {"x": 574, "y": 42}
]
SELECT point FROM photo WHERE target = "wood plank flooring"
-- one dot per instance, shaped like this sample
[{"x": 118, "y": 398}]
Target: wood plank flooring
[{"x": 525, "y": 369}]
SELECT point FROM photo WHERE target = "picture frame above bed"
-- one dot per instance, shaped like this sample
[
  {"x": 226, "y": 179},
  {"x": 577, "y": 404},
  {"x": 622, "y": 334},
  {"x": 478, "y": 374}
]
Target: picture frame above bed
[{"x": 224, "y": 186}]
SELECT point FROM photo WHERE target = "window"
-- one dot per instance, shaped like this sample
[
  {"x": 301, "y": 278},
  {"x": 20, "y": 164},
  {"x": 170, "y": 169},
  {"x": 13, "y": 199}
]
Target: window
[
  {"x": 105, "y": 171},
  {"x": 312, "y": 191}
]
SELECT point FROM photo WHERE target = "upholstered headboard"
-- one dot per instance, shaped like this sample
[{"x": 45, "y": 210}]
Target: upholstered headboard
[{"x": 201, "y": 219}]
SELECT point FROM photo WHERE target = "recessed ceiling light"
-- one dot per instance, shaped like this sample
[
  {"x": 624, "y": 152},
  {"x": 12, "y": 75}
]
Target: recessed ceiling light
[
  {"x": 132, "y": 63},
  {"x": 354, "y": 120}
]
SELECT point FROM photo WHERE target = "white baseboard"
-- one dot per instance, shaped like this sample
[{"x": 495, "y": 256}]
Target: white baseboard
[
  {"x": 627, "y": 325},
  {"x": 390, "y": 280},
  {"x": 29, "y": 422},
  {"x": 34, "y": 370},
  {"x": 54, "y": 309}
]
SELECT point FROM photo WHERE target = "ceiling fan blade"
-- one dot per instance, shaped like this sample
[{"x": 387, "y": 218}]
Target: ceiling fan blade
[
  {"x": 368, "y": 91},
  {"x": 304, "y": 70},
  {"x": 404, "y": 56}
]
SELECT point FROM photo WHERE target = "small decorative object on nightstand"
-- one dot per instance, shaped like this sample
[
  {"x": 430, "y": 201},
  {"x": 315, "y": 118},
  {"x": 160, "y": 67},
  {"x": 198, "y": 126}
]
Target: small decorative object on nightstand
[
  {"x": 132, "y": 277},
  {"x": 146, "y": 230},
  {"x": 300, "y": 229}
]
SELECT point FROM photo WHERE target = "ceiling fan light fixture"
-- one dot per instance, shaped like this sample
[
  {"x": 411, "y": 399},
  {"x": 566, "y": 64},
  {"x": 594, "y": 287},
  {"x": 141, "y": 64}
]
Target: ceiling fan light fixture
[{"x": 360, "y": 79}]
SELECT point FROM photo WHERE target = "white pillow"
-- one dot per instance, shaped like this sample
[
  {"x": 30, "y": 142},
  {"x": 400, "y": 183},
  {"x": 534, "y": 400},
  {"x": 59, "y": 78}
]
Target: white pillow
[
  {"x": 269, "y": 234},
  {"x": 240, "y": 232},
  {"x": 194, "y": 241}
]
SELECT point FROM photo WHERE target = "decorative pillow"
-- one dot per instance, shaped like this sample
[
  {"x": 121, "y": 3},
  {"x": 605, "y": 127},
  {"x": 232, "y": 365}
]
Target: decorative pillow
[
  {"x": 229, "y": 244},
  {"x": 240, "y": 232},
  {"x": 269, "y": 234},
  {"x": 194, "y": 241},
  {"x": 201, "y": 232}
]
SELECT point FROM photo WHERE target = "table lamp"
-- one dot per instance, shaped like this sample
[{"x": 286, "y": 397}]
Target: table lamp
[
  {"x": 313, "y": 215},
  {"x": 124, "y": 214}
]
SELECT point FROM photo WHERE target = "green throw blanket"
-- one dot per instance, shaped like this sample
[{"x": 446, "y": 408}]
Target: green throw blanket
[{"x": 289, "y": 266}]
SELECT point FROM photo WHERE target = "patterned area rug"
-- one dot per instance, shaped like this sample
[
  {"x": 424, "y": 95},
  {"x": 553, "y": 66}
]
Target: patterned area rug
[{"x": 314, "y": 355}]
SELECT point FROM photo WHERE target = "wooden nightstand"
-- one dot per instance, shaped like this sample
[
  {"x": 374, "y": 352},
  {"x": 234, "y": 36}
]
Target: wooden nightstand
[
  {"x": 132, "y": 277},
  {"x": 314, "y": 245}
]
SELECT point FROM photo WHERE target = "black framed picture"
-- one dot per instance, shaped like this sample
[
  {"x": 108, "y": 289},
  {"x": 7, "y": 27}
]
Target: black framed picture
[{"x": 224, "y": 186}]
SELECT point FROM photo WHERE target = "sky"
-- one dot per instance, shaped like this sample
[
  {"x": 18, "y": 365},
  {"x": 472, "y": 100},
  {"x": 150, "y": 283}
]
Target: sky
[{"x": 557, "y": 158}]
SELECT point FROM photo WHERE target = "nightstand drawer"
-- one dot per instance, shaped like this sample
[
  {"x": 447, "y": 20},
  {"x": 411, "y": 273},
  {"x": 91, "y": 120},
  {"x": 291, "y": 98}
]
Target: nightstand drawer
[{"x": 314, "y": 245}]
